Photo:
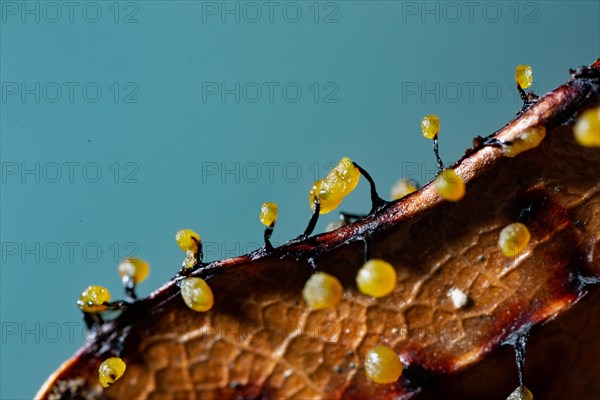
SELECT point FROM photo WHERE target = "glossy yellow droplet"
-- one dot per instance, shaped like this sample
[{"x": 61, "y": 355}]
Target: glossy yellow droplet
[
  {"x": 521, "y": 393},
  {"x": 187, "y": 239},
  {"x": 513, "y": 239},
  {"x": 197, "y": 294},
  {"x": 268, "y": 213},
  {"x": 92, "y": 299},
  {"x": 331, "y": 190},
  {"x": 449, "y": 185},
  {"x": 322, "y": 290},
  {"x": 524, "y": 76},
  {"x": 329, "y": 196},
  {"x": 402, "y": 188},
  {"x": 430, "y": 126},
  {"x": 529, "y": 138},
  {"x": 135, "y": 268},
  {"x": 382, "y": 365},
  {"x": 110, "y": 370},
  {"x": 346, "y": 174},
  {"x": 376, "y": 278},
  {"x": 587, "y": 128}
]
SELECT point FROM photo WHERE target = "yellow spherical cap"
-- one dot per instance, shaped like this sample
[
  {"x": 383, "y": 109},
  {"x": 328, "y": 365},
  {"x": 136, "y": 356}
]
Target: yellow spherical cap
[
  {"x": 135, "y": 268},
  {"x": 329, "y": 196},
  {"x": 449, "y": 185},
  {"x": 382, "y": 365},
  {"x": 402, "y": 188},
  {"x": 92, "y": 299},
  {"x": 524, "y": 76},
  {"x": 430, "y": 126},
  {"x": 110, "y": 370},
  {"x": 268, "y": 213},
  {"x": 528, "y": 139},
  {"x": 331, "y": 190},
  {"x": 322, "y": 290},
  {"x": 346, "y": 173},
  {"x": 376, "y": 278},
  {"x": 587, "y": 128},
  {"x": 187, "y": 239},
  {"x": 513, "y": 239},
  {"x": 196, "y": 294},
  {"x": 520, "y": 393}
]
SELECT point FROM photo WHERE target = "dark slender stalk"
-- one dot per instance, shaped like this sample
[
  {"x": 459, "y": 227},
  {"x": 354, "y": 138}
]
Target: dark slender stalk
[
  {"x": 268, "y": 233},
  {"x": 313, "y": 221},
  {"x": 92, "y": 320},
  {"x": 199, "y": 255},
  {"x": 376, "y": 202},
  {"x": 522, "y": 93},
  {"x": 440, "y": 164},
  {"x": 528, "y": 98}
]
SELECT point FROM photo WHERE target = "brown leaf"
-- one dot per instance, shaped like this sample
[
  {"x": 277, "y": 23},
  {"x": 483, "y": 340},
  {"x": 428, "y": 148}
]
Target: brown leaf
[{"x": 261, "y": 341}]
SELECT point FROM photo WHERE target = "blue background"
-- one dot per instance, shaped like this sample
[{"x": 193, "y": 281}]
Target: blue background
[{"x": 172, "y": 153}]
